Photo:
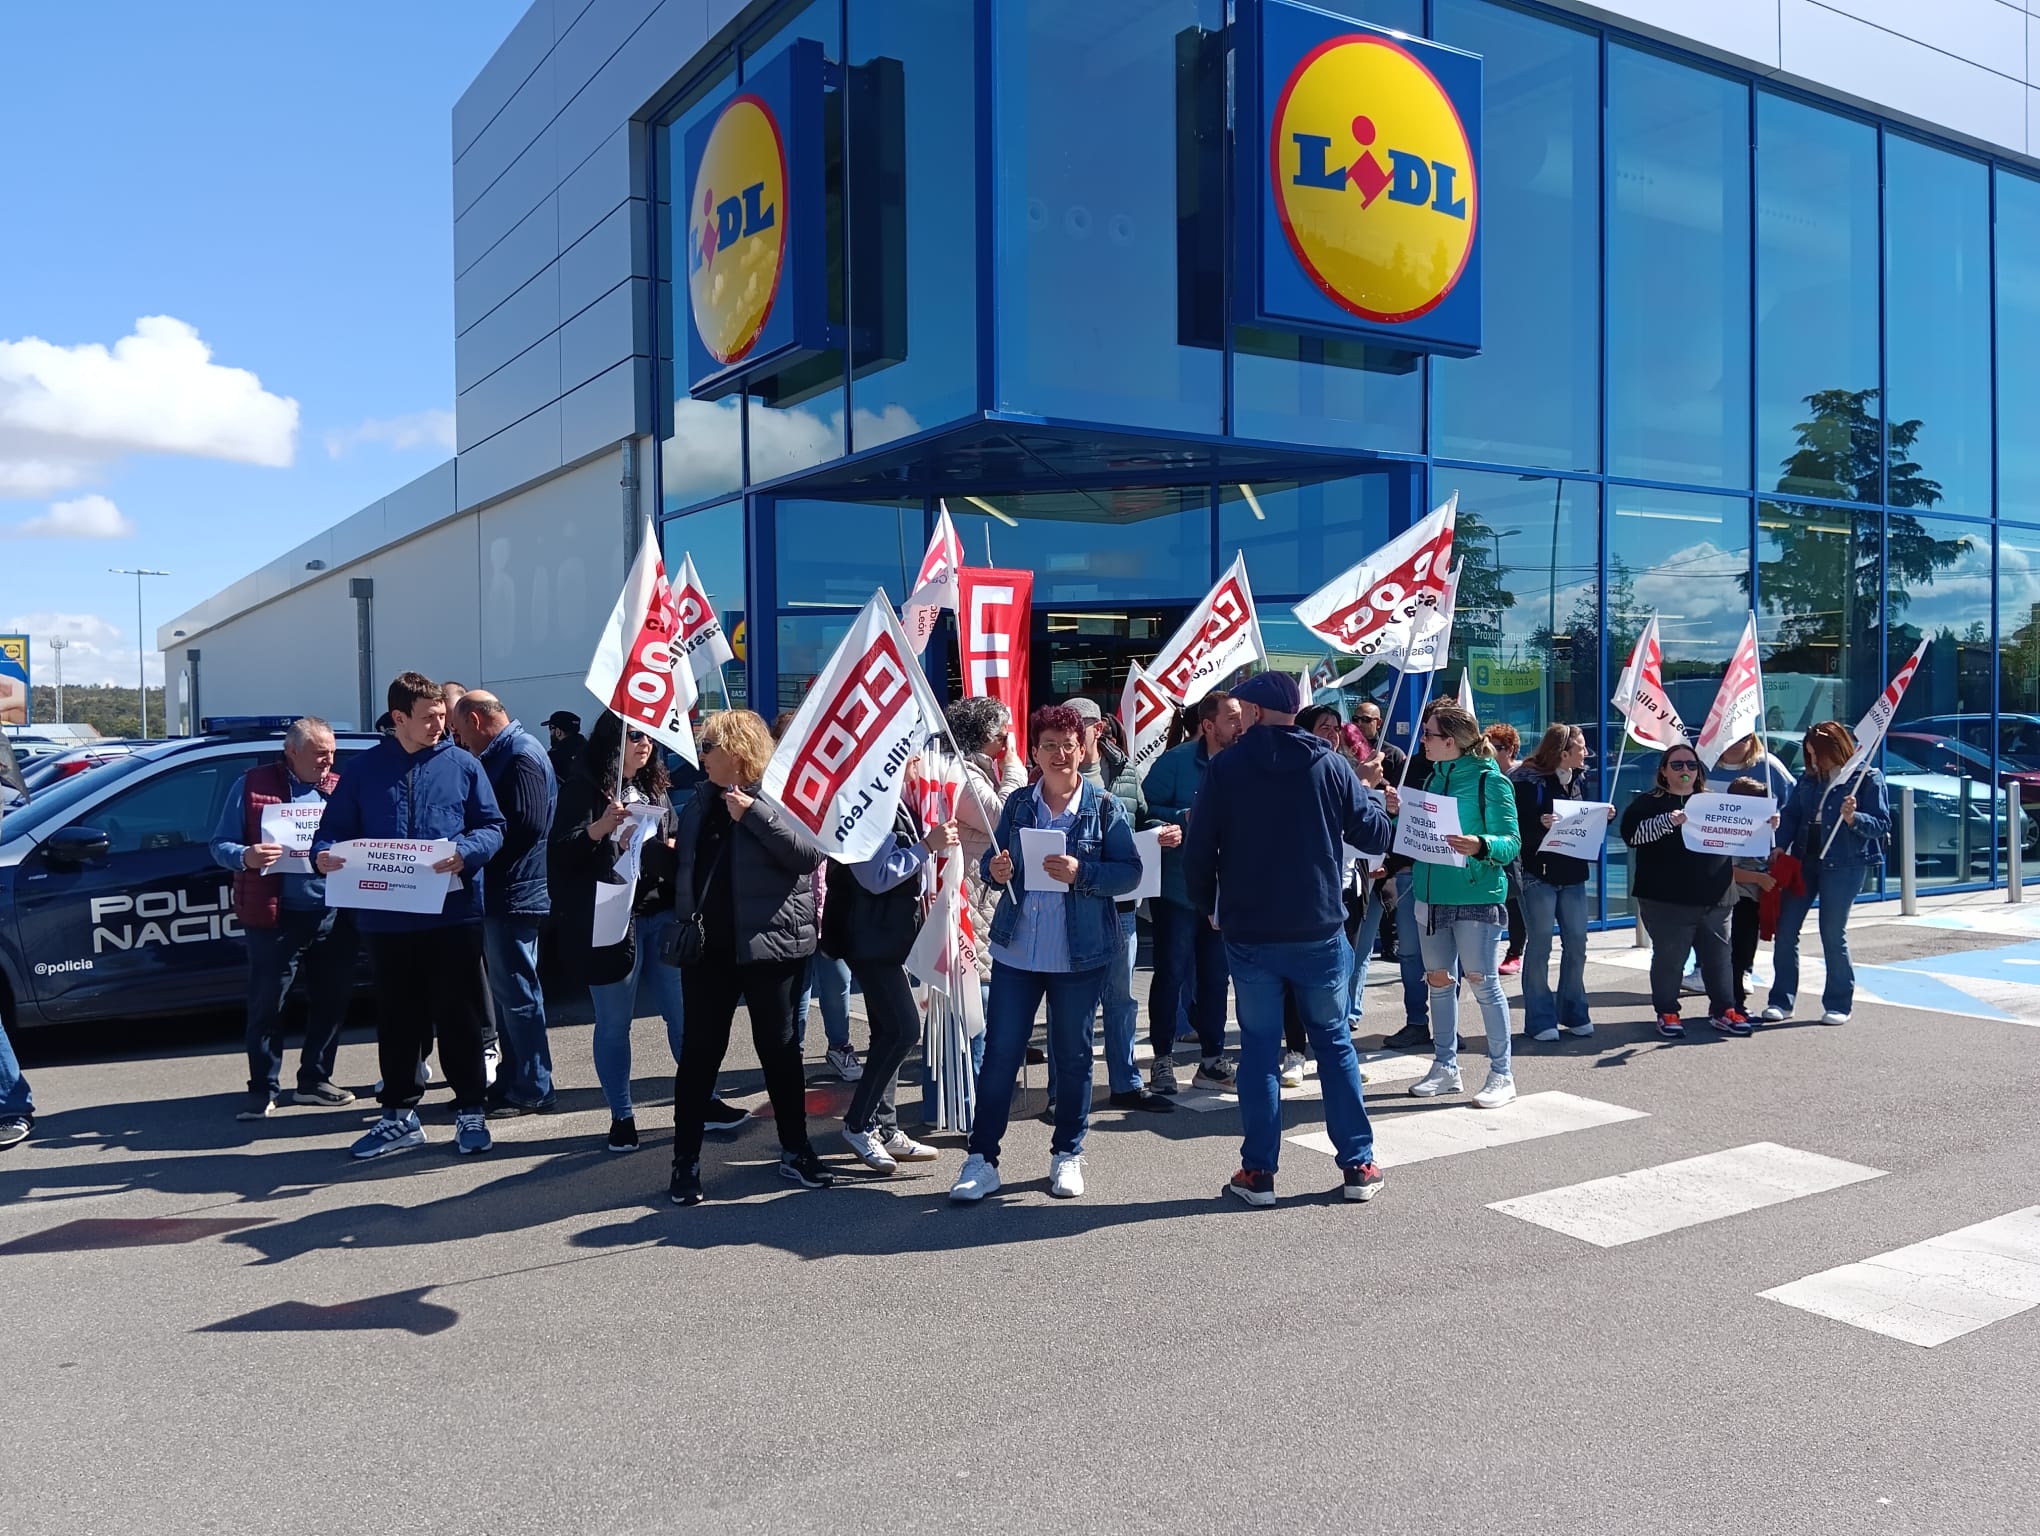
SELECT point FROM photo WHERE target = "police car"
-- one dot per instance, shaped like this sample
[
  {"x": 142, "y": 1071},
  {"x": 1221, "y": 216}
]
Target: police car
[{"x": 110, "y": 903}]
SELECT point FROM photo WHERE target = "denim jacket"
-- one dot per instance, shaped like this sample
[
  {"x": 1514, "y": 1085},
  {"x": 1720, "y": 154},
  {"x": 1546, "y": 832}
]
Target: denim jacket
[
  {"x": 1108, "y": 865},
  {"x": 1804, "y": 822}
]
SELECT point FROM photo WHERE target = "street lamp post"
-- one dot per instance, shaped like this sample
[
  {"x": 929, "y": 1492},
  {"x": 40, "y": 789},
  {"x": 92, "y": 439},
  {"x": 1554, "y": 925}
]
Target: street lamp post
[
  {"x": 57, "y": 645},
  {"x": 141, "y": 649}
]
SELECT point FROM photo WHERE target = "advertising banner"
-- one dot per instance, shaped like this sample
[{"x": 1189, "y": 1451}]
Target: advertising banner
[
  {"x": 14, "y": 680},
  {"x": 1220, "y": 636},
  {"x": 995, "y": 610}
]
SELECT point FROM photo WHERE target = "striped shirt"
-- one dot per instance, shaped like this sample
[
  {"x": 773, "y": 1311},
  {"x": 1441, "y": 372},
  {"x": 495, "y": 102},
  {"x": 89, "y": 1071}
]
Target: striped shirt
[{"x": 1041, "y": 935}]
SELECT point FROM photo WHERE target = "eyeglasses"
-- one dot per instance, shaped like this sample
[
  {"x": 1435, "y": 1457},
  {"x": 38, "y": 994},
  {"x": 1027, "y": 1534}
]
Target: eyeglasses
[
  {"x": 636, "y": 736},
  {"x": 1058, "y": 748}
]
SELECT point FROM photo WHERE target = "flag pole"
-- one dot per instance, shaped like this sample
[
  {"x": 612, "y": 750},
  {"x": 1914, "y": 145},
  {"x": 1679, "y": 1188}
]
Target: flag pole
[
  {"x": 1833, "y": 831},
  {"x": 1411, "y": 755}
]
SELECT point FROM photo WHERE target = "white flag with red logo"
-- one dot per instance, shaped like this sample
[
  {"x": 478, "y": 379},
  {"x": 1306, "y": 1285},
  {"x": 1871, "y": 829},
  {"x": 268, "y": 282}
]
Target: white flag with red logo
[
  {"x": 1220, "y": 636},
  {"x": 1427, "y": 644},
  {"x": 1738, "y": 708},
  {"x": 944, "y": 956},
  {"x": 1372, "y": 608},
  {"x": 1466, "y": 692},
  {"x": 934, "y": 588},
  {"x": 1144, "y": 715},
  {"x": 1871, "y": 728},
  {"x": 702, "y": 640},
  {"x": 1640, "y": 696},
  {"x": 637, "y": 669},
  {"x": 841, "y": 766}
]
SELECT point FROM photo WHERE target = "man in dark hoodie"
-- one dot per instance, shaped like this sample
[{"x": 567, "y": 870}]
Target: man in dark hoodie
[
  {"x": 1264, "y": 854},
  {"x": 416, "y": 784},
  {"x": 515, "y": 899}
]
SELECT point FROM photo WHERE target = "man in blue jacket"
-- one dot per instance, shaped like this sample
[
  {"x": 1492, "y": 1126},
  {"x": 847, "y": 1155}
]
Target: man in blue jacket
[
  {"x": 1264, "y": 854},
  {"x": 416, "y": 784},
  {"x": 515, "y": 898}
]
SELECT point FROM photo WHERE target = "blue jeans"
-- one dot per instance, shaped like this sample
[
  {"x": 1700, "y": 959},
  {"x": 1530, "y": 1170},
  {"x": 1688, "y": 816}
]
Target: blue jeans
[
  {"x": 1543, "y": 905},
  {"x": 616, "y": 1006},
  {"x": 1409, "y": 954},
  {"x": 320, "y": 941},
  {"x": 829, "y": 980},
  {"x": 1364, "y": 938},
  {"x": 1315, "y": 975},
  {"x": 1835, "y": 888},
  {"x": 1189, "y": 977},
  {"x": 510, "y": 954},
  {"x": 1475, "y": 949},
  {"x": 1122, "y": 1014},
  {"x": 15, "y": 1099},
  {"x": 1009, "y": 1021}
]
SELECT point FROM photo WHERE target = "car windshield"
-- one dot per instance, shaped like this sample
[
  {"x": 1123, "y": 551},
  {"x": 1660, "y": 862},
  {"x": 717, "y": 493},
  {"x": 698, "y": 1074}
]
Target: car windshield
[
  {"x": 2019, "y": 743},
  {"x": 51, "y": 805}
]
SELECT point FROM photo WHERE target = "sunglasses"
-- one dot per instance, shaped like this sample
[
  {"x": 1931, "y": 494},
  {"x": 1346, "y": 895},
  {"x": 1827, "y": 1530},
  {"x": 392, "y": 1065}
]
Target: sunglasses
[
  {"x": 1682, "y": 767},
  {"x": 1430, "y": 735},
  {"x": 635, "y": 737}
]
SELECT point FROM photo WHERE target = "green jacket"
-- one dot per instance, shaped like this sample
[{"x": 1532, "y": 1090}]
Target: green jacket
[{"x": 1487, "y": 809}]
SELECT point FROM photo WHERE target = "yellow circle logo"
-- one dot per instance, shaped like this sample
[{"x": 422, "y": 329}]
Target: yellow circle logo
[
  {"x": 1373, "y": 178},
  {"x": 736, "y": 228}
]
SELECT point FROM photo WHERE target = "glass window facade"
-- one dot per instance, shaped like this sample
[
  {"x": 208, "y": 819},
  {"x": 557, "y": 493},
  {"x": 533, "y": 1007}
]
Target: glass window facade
[{"x": 1743, "y": 350}]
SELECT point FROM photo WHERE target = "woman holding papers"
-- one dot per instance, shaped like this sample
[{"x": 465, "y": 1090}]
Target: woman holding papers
[
  {"x": 1834, "y": 824},
  {"x": 601, "y": 838},
  {"x": 1459, "y": 912},
  {"x": 1064, "y": 850},
  {"x": 1679, "y": 893},
  {"x": 1554, "y": 886}
]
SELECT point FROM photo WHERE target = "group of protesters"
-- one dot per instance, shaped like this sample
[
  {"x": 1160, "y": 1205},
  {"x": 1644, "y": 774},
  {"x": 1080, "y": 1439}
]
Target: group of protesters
[{"x": 1280, "y": 881}]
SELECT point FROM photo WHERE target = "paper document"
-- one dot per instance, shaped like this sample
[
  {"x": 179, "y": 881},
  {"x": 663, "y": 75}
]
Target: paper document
[
  {"x": 642, "y": 822},
  {"x": 1424, "y": 824},
  {"x": 612, "y": 911},
  {"x": 1581, "y": 830},
  {"x": 291, "y": 826},
  {"x": 1150, "y": 845},
  {"x": 389, "y": 875},
  {"x": 1036, "y": 844}
]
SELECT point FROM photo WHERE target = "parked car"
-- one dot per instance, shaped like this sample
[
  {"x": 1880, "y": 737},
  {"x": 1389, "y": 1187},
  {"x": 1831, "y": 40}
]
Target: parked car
[
  {"x": 110, "y": 903},
  {"x": 1948, "y": 754},
  {"x": 2018, "y": 736}
]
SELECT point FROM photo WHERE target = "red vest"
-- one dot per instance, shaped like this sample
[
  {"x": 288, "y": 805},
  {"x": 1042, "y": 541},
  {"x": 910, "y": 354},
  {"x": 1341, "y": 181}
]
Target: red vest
[{"x": 258, "y": 898}]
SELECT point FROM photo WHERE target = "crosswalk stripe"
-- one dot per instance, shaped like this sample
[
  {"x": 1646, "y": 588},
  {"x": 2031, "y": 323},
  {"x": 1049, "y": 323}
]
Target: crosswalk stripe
[
  {"x": 1419, "y": 1137},
  {"x": 1651, "y": 1201},
  {"x": 1933, "y": 1291}
]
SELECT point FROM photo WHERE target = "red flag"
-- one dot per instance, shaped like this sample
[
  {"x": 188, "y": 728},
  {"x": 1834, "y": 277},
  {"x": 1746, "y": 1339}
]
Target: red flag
[{"x": 996, "y": 608}]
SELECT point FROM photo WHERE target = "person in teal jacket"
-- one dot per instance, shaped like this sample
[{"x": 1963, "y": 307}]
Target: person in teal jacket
[{"x": 1460, "y": 907}]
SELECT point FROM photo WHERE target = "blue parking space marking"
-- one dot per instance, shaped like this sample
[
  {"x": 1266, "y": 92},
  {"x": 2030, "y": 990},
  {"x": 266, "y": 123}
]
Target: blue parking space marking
[
  {"x": 2009, "y": 962},
  {"x": 1908, "y": 988}
]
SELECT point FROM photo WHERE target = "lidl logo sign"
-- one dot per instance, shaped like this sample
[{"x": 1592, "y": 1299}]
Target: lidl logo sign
[
  {"x": 755, "y": 237},
  {"x": 736, "y": 239},
  {"x": 1364, "y": 149}
]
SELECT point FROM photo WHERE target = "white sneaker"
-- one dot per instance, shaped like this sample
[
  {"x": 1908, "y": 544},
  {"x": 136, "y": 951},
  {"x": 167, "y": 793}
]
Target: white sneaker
[
  {"x": 1066, "y": 1175},
  {"x": 1775, "y": 1016},
  {"x": 1499, "y": 1089},
  {"x": 491, "y": 1059},
  {"x": 1546, "y": 1036},
  {"x": 902, "y": 1148},
  {"x": 1440, "y": 1079},
  {"x": 1292, "y": 1069},
  {"x": 844, "y": 1062},
  {"x": 976, "y": 1179},
  {"x": 1579, "y": 1031},
  {"x": 1834, "y": 1016},
  {"x": 869, "y": 1152}
]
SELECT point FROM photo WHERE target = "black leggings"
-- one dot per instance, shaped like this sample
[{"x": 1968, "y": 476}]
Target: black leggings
[
  {"x": 1742, "y": 946},
  {"x": 711, "y": 989},
  {"x": 895, "y": 1031}
]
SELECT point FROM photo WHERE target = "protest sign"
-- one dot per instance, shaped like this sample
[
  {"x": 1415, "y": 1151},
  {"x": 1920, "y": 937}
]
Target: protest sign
[
  {"x": 1424, "y": 824},
  {"x": 290, "y": 825},
  {"x": 1581, "y": 830},
  {"x": 389, "y": 875},
  {"x": 1148, "y": 845},
  {"x": 1738, "y": 826},
  {"x": 1037, "y": 844}
]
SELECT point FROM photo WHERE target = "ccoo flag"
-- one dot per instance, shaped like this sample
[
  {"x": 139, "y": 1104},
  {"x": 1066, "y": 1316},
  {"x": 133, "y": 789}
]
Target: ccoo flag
[
  {"x": 1466, "y": 692},
  {"x": 1871, "y": 728},
  {"x": 702, "y": 640},
  {"x": 1144, "y": 714},
  {"x": 934, "y": 589},
  {"x": 1370, "y": 608},
  {"x": 1738, "y": 709},
  {"x": 637, "y": 669},
  {"x": 1641, "y": 699},
  {"x": 1220, "y": 636},
  {"x": 1429, "y": 640},
  {"x": 840, "y": 767}
]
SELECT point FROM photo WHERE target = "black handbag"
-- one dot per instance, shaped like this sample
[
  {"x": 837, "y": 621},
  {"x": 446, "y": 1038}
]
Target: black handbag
[{"x": 687, "y": 940}]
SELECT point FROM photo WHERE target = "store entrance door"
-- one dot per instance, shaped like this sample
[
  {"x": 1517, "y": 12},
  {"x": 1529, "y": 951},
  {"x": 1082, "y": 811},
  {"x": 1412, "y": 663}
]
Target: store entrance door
[{"x": 1088, "y": 652}]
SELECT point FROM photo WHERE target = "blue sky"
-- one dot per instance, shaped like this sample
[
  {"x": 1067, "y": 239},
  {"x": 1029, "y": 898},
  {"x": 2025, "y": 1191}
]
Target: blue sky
[{"x": 275, "y": 179}]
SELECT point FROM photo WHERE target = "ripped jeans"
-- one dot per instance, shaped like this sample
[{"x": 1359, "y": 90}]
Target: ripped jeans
[{"x": 1477, "y": 947}]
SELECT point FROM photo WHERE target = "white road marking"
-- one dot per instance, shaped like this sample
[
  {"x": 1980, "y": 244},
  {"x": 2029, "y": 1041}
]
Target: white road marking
[
  {"x": 1650, "y": 1201},
  {"x": 1417, "y": 1137},
  {"x": 1934, "y": 1291}
]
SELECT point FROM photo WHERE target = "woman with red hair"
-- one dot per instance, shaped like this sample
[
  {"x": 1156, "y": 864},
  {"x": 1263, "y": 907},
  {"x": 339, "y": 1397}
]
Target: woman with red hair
[{"x": 1836, "y": 830}]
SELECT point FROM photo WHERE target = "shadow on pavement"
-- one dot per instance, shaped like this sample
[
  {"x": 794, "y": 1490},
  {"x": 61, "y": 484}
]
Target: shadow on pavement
[{"x": 405, "y": 1310}]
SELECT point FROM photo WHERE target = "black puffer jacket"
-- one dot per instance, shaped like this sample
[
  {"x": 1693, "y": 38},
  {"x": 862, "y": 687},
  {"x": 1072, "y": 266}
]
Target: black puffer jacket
[
  {"x": 1536, "y": 793},
  {"x": 769, "y": 862}
]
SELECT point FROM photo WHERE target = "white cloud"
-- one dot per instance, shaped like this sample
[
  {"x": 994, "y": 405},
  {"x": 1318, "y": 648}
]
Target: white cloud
[
  {"x": 420, "y": 429},
  {"x": 97, "y": 653},
  {"x": 85, "y": 517},
  {"x": 68, "y": 412},
  {"x": 704, "y": 453}
]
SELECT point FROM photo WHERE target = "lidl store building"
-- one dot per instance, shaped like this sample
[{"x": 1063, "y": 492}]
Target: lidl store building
[{"x": 1698, "y": 307}]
